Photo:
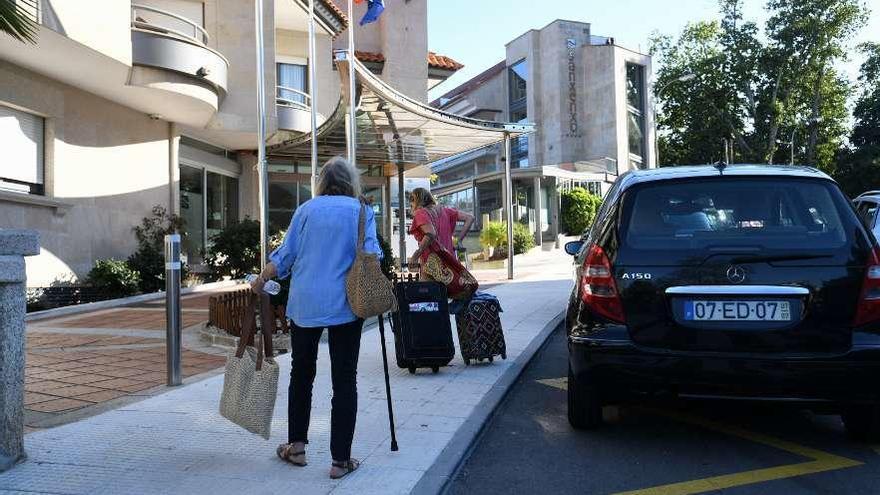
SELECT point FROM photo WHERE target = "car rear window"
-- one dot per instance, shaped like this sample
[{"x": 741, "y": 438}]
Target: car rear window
[{"x": 767, "y": 213}]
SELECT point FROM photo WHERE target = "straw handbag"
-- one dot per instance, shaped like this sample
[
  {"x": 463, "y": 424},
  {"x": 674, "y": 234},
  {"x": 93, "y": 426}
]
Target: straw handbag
[
  {"x": 369, "y": 291},
  {"x": 251, "y": 380}
]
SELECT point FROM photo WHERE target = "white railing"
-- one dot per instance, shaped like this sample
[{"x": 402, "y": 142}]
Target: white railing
[
  {"x": 199, "y": 35},
  {"x": 283, "y": 98}
]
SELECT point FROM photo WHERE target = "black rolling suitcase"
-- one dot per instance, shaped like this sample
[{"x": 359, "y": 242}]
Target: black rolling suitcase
[
  {"x": 422, "y": 332},
  {"x": 480, "y": 335}
]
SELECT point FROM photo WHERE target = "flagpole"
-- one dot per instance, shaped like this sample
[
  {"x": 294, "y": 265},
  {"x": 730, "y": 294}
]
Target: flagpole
[
  {"x": 352, "y": 100},
  {"x": 262, "y": 174},
  {"x": 313, "y": 101}
]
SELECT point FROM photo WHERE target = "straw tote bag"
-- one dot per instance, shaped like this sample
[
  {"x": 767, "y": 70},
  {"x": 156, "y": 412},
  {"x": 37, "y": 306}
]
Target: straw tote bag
[
  {"x": 369, "y": 291},
  {"x": 250, "y": 383}
]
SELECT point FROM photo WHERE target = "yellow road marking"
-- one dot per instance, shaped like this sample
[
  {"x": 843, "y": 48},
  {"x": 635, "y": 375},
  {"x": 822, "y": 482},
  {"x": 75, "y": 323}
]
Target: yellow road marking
[
  {"x": 560, "y": 383},
  {"x": 820, "y": 461}
]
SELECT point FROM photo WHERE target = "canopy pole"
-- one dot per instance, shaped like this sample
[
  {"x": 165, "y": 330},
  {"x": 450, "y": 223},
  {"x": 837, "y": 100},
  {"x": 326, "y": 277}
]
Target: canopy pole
[
  {"x": 352, "y": 100},
  {"x": 262, "y": 174},
  {"x": 508, "y": 187},
  {"x": 401, "y": 213},
  {"x": 313, "y": 105}
]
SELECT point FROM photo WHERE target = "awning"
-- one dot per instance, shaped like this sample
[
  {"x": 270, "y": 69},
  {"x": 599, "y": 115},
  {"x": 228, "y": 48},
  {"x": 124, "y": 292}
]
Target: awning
[{"x": 393, "y": 129}]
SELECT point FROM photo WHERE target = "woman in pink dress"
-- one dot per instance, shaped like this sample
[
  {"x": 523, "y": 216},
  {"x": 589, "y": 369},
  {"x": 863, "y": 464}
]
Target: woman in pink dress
[{"x": 433, "y": 227}]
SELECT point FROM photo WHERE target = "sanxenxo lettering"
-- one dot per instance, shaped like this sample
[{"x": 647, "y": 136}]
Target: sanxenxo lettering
[{"x": 571, "y": 45}]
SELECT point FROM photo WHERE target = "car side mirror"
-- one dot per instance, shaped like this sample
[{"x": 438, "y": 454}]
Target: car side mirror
[{"x": 573, "y": 247}]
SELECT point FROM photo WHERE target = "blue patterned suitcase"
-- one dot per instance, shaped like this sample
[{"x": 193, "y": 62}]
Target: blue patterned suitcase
[{"x": 480, "y": 335}]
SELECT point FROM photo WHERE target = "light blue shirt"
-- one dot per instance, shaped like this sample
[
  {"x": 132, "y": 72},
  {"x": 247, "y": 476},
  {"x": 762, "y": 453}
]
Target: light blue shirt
[{"x": 317, "y": 253}]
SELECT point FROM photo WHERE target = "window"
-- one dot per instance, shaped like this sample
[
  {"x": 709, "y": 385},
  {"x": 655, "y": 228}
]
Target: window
[
  {"x": 192, "y": 210},
  {"x": 461, "y": 200},
  {"x": 518, "y": 81},
  {"x": 22, "y": 134},
  {"x": 868, "y": 213},
  {"x": 208, "y": 204},
  {"x": 635, "y": 115},
  {"x": 767, "y": 214},
  {"x": 293, "y": 77}
]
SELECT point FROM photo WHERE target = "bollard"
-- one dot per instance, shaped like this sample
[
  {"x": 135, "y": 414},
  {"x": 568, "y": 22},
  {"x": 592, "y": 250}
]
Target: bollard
[
  {"x": 14, "y": 246},
  {"x": 172, "y": 308}
]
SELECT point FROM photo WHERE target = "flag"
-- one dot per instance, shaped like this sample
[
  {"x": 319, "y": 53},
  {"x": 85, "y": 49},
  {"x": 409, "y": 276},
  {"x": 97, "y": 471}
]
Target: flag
[{"x": 374, "y": 10}]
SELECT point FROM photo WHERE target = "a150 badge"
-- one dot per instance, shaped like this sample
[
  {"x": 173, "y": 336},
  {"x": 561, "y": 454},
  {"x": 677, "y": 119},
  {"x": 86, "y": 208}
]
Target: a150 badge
[{"x": 636, "y": 276}]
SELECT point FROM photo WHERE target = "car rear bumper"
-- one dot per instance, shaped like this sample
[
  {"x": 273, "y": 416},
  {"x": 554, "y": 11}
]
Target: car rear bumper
[{"x": 611, "y": 361}]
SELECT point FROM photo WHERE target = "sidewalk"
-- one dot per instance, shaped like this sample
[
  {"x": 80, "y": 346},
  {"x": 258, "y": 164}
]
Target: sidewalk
[{"x": 177, "y": 442}]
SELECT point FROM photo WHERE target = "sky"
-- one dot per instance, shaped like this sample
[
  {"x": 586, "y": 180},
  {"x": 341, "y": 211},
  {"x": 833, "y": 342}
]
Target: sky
[{"x": 474, "y": 32}]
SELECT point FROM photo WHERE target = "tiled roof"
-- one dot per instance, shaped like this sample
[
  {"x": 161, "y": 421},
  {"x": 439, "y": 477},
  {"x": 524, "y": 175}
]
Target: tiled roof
[
  {"x": 434, "y": 60},
  {"x": 442, "y": 62},
  {"x": 336, "y": 10},
  {"x": 469, "y": 85},
  {"x": 373, "y": 57}
]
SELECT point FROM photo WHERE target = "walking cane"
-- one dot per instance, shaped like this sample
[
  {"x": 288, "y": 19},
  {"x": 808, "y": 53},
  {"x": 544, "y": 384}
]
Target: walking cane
[{"x": 387, "y": 383}]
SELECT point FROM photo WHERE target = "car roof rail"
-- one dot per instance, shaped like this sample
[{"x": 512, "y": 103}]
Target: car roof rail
[{"x": 869, "y": 193}]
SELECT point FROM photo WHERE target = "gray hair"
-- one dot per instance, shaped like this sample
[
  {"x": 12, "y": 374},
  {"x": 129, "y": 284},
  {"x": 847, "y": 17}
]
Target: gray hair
[{"x": 338, "y": 178}]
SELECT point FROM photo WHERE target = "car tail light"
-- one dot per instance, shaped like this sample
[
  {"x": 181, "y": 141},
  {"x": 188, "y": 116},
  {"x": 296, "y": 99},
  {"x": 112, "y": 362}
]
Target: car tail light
[
  {"x": 598, "y": 289},
  {"x": 868, "y": 310}
]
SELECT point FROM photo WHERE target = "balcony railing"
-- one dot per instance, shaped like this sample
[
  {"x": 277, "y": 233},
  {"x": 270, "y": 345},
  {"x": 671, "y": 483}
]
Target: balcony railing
[
  {"x": 292, "y": 97},
  {"x": 165, "y": 22}
]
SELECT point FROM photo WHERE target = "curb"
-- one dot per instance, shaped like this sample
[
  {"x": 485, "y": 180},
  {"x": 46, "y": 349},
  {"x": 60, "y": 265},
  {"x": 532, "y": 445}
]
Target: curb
[
  {"x": 124, "y": 301},
  {"x": 436, "y": 479}
]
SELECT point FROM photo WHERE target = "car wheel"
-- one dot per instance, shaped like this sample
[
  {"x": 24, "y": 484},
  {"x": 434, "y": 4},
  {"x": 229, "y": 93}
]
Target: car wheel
[
  {"x": 584, "y": 404},
  {"x": 862, "y": 422}
]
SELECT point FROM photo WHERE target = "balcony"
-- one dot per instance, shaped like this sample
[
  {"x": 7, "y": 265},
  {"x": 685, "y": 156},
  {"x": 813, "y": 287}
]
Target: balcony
[
  {"x": 171, "y": 52},
  {"x": 293, "y": 107}
]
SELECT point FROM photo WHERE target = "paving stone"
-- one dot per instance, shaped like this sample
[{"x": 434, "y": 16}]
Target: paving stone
[
  {"x": 117, "y": 383},
  {"x": 45, "y": 386},
  {"x": 122, "y": 372},
  {"x": 85, "y": 379},
  {"x": 58, "y": 405},
  {"x": 71, "y": 391},
  {"x": 102, "y": 396},
  {"x": 35, "y": 397}
]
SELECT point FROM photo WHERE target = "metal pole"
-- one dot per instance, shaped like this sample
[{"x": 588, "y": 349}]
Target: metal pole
[
  {"x": 172, "y": 308},
  {"x": 262, "y": 174},
  {"x": 792, "y": 147},
  {"x": 508, "y": 186},
  {"x": 401, "y": 213},
  {"x": 352, "y": 102},
  {"x": 313, "y": 101}
]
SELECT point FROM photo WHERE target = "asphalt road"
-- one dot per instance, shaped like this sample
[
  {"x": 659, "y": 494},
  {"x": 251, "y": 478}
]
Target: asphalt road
[{"x": 672, "y": 448}]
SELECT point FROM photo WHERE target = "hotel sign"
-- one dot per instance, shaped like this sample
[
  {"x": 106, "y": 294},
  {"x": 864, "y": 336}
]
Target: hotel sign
[{"x": 573, "y": 125}]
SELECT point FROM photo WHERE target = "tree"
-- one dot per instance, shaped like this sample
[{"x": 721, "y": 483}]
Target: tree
[
  {"x": 859, "y": 168},
  {"x": 757, "y": 88},
  {"x": 17, "y": 19}
]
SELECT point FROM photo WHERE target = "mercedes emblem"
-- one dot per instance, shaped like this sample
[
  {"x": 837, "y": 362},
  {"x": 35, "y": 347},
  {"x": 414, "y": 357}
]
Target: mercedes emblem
[{"x": 736, "y": 274}]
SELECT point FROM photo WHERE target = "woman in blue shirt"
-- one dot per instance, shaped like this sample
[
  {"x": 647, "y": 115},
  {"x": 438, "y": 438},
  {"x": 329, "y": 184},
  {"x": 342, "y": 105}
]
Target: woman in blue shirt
[{"x": 317, "y": 253}]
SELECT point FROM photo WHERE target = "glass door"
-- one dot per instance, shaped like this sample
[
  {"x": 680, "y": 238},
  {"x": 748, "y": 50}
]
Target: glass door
[{"x": 192, "y": 211}]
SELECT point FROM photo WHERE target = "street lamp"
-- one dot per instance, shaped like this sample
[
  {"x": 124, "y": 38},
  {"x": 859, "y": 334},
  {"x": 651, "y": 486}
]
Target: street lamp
[{"x": 690, "y": 76}]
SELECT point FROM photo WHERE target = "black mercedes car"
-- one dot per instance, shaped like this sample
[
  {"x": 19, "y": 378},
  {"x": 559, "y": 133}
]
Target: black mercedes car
[{"x": 746, "y": 282}]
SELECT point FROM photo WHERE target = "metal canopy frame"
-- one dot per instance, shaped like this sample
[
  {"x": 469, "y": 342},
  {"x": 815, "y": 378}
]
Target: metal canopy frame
[{"x": 396, "y": 133}]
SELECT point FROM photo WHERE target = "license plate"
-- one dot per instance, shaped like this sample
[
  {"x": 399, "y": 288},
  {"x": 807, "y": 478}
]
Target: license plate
[{"x": 737, "y": 310}]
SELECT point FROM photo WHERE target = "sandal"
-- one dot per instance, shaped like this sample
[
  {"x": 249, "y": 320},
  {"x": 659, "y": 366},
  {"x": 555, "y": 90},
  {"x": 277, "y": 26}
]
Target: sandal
[
  {"x": 348, "y": 467},
  {"x": 284, "y": 452}
]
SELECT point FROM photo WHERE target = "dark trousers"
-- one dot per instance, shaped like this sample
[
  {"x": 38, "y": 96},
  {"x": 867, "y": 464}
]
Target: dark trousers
[{"x": 345, "y": 344}]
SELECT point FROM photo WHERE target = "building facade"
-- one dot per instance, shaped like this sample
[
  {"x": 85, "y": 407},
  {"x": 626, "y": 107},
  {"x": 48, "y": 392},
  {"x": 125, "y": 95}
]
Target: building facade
[
  {"x": 589, "y": 100},
  {"x": 124, "y": 106}
]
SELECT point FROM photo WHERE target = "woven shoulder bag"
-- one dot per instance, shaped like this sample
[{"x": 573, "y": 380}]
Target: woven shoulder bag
[{"x": 369, "y": 291}]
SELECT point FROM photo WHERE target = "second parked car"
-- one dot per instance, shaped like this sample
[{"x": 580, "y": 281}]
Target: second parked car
[{"x": 737, "y": 282}]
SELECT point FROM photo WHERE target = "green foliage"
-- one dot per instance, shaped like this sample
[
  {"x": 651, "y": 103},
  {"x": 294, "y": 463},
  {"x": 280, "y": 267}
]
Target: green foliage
[
  {"x": 859, "y": 167},
  {"x": 115, "y": 276},
  {"x": 16, "y": 19},
  {"x": 523, "y": 238},
  {"x": 757, "y": 85},
  {"x": 494, "y": 235},
  {"x": 387, "y": 257},
  {"x": 235, "y": 250},
  {"x": 579, "y": 208},
  {"x": 149, "y": 259}
]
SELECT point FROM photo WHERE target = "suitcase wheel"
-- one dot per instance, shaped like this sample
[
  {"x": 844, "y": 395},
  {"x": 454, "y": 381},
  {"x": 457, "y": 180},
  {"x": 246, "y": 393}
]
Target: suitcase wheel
[
  {"x": 467, "y": 362},
  {"x": 503, "y": 355},
  {"x": 491, "y": 359},
  {"x": 435, "y": 369},
  {"x": 412, "y": 370}
]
